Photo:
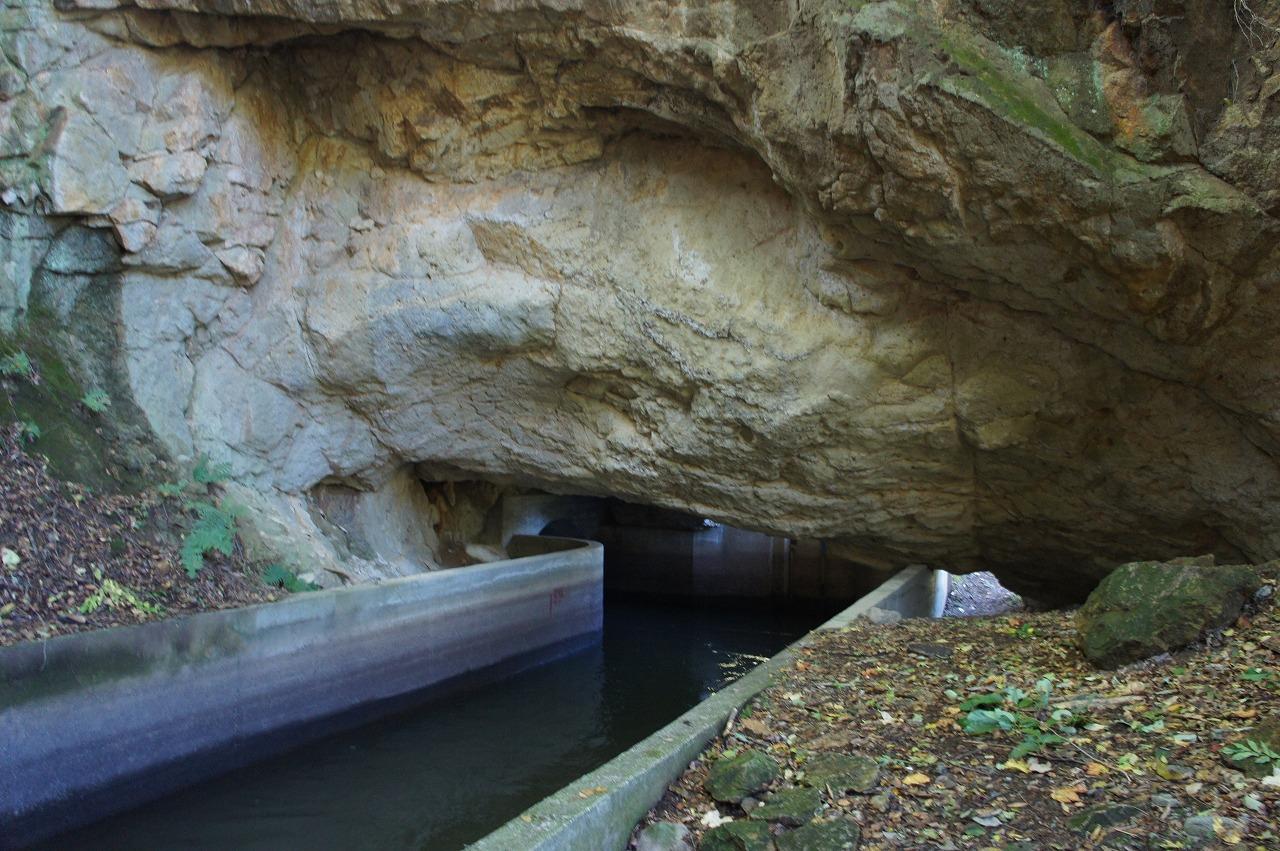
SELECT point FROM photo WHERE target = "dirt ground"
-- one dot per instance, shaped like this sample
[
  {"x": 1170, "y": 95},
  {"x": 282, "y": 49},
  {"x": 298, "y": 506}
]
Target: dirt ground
[
  {"x": 1132, "y": 758},
  {"x": 74, "y": 560}
]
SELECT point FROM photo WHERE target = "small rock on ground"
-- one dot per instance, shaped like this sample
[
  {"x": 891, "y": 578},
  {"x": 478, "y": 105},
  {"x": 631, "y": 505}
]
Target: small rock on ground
[
  {"x": 838, "y": 834},
  {"x": 664, "y": 836},
  {"x": 738, "y": 836},
  {"x": 792, "y": 807},
  {"x": 734, "y": 778},
  {"x": 842, "y": 772}
]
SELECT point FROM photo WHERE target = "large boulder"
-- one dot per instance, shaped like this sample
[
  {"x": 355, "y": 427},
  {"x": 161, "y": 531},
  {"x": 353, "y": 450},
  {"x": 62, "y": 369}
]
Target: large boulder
[
  {"x": 1147, "y": 608},
  {"x": 932, "y": 282}
]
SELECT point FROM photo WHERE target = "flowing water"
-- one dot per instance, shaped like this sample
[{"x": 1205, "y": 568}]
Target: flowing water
[{"x": 453, "y": 769}]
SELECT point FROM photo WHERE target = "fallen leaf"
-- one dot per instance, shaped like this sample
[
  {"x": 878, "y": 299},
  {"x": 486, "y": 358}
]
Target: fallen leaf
[
  {"x": 1066, "y": 795},
  {"x": 915, "y": 779},
  {"x": 1096, "y": 769}
]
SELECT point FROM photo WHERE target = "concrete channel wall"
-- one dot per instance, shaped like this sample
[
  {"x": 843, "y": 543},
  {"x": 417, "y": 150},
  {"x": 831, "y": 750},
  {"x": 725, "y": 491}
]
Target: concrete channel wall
[
  {"x": 97, "y": 722},
  {"x": 598, "y": 811}
]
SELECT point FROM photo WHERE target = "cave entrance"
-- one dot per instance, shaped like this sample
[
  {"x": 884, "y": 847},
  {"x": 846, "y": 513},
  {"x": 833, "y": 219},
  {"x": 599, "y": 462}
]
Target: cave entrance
[{"x": 663, "y": 552}]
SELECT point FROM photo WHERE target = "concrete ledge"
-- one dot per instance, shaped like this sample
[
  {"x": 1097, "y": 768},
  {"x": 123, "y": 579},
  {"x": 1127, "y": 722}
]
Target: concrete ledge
[
  {"x": 97, "y": 722},
  {"x": 579, "y": 818},
  {"x": 913, "y": 592}
]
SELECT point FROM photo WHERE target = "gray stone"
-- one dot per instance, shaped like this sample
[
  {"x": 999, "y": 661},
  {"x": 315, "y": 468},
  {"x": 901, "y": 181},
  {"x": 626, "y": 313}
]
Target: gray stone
[
  {"x": 792, "y": 807},
  {"x": 1147, "y": 608},
  {"x": 85, "y": 174},
  {"x": 1102, "y": 815},
  {"x": 246, "y": 264},
  {"x": 170, "y": 174},
  {"x": 738, "y": 836},
  {"x": 842, "y": 772},
  {"x": 839, "y": 834},
  {"x": 664, "y": 836},
  {"x": 733, "y": 778},
  {"x": 1208, "y": 826},
  {"x": 979, "y": 285}
]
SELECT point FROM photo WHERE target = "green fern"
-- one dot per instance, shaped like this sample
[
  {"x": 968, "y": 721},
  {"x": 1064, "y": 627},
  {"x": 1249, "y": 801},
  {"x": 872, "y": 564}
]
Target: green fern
[
  {"x": 15, "y": 364},
  {"x": 169, "y": 489},
  {"x": 96, "y": 400},
  {"x": 114, "y": 595},
  {"x": 282, "y": 577},
  {"x": 214, "y": 529},
  {"x": 210, "y": 475}
]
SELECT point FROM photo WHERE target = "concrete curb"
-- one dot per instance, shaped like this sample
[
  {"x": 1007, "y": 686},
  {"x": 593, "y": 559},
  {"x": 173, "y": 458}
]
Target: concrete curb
[
  {"x": 97, "y": 722},
  {"x": 599, "y": 810}
]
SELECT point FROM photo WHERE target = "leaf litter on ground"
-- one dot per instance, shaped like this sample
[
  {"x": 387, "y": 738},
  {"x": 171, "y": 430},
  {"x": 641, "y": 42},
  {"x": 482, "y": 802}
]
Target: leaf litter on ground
[{"x": 1059, "y": 755}]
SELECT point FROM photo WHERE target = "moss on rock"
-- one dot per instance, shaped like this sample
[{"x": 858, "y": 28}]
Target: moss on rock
[
  {"x": 1146, "y": 608},
  {"x": 736, "y": 777},
  {"x": 836, "y": 835},
  {"x": 791, "y": 807},
  {"x": 842, "y": 772},
  {"x": 738, "y": 836}
]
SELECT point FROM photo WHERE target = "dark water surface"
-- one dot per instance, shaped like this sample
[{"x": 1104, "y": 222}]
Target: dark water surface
[{"x": 452, "y": 770}]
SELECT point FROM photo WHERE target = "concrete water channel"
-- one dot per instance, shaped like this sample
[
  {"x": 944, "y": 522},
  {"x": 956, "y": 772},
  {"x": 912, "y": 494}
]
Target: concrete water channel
[
  {"x": 446, "y": 773},
  {"x": 419, "y": 713}
]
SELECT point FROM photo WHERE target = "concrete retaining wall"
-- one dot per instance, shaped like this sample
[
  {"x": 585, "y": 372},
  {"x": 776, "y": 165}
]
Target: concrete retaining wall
[
  {"x": 581, "y": 817},
  {"x": 97, "y": 722}
]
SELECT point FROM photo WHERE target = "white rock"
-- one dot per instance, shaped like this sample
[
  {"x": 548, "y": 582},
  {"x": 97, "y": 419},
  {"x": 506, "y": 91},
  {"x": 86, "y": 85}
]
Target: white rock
[
  {"x": 85, "y": 174},
  {"x": 246, "y": 264},
  {"x": 170, "y": 174}
]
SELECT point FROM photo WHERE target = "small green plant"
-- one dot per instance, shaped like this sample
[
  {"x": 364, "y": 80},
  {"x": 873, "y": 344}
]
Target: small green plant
[
  {"x": 1017, "y": 711},
  {"x": 28, "y": 431},
  {"x": 1258, "y": 675},
  {"x": 114, "y": 595},
  {"x": 205, "y": 474},
  {"x": 96, "y": 400},
  {"x": 172, "y": 489},
  {"x": 15, "y": 364},
  {"x": 214, "y": 529},
  {"x": 1252, "y": 750},
  {"x": 282, "y": 577}
]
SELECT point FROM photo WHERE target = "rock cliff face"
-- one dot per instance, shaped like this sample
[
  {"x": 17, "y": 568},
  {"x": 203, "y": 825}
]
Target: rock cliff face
[{"x": 940, "y": 282}]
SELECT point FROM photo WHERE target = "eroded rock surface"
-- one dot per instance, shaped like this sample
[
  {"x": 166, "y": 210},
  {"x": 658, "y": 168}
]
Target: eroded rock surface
[{"x": 936, "y": 282}]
